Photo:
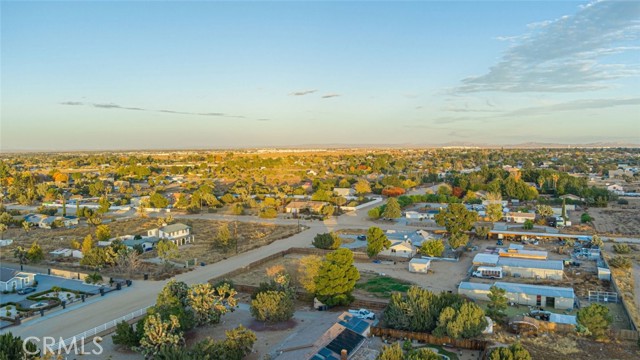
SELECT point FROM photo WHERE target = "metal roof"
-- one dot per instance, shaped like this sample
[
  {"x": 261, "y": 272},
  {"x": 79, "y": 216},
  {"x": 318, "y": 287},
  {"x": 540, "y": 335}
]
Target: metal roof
[
  {"x": 486, "y": 258},
  {"x": 474, "y": 286},
  {"x": 531, "y": 264},
  {"x": 528, "y": 289}
]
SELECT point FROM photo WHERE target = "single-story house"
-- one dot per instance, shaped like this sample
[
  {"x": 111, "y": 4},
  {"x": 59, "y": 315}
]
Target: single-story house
[
  {"x": 61, "y": 252},
  {"x": 348, "y": 334},
  {"x": 418, "y": 265},
  {"x": 344, "y": 192},
  {"x": 616, "y": 189},
  {"x": 11, "y": 279},
  {"x": 295, "y": 207},
  {"x": 519, "y": 217},
  {"x": 179, "y": 233},
  {"x": 147, "y": 243},
  {"x": 400, "y": 248},
  {"x": 523, "y": 294},
  {"x": 486, "y": 260}
]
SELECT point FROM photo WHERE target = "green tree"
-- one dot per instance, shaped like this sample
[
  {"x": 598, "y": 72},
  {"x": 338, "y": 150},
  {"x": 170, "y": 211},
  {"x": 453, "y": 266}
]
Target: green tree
[
  {"x": 362, "y": 187},
  {"x": 494, "y": 212},
  {"x": 308, "y": 269},
  {"x": 432, "y": 247},
  {"x": 209, "y": 303},
  {"x": 328, "y": 210},
  {"x": 13, "y": 348},
  {"x": 126, "y": 335},
  {"x": 268, "y": 213},
  {"x": 87, "y": 244},
  {"x": 223, "y": 236},
  {"x": 374, "y": 213},
  {"x": 159, "y": 334},
  {"x": 513, "y": 352},
  {"x": 237, "y": 209},
  {"x": 391, "y": 352},
  {"x": 156, "y": 200},
  {"x": 35, "y": 253},
  {"x": 528, "y": 225},
  {"x": 544, "y": 210},
  {"x": 422, "y": 354},
  {"x": 336, "y": 278},
  {"x": 392, "y": 210},
  {"x": 596, "y": 319},
  {"x": 376, "y": 241},
  {"x": 166, "y": 249},
  {"x": 458, "y": 239},
  {"x": 20, "y": 253},
  {"x": 104, "y": 205},
  {"x": 498, "y": 302},
  {"x": 482, "y": 231},
  {"x": 103, "y": 232},
  {"x": 327, "y": 241},
  {"x": 272, "y": 306},
  {"x": 456, "y": 218},
  {"x": 596, "y": 241},
  {"x": 236, "y": 346}
]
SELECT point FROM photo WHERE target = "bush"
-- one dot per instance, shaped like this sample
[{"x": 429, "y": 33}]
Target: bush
[
  {"x": 127, "y": 335},
  {"x": 272, "y": 306},
  {"x": 620, "y": 262},
  {"x": 268, "y": 213},
  {"x": 595, "y": 318},
  {"x": 585, "y": 218},
  {"x": 621, "y": 248},
  {"x": 528, "y": 225},
  {"x": 327, "y": 241},
  {"x": 515, "y": 351},
  {"x": 623, "y": 202}
]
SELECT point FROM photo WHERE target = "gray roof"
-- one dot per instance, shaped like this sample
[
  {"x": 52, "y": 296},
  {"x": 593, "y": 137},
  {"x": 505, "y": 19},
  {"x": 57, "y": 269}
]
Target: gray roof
[
  {"x": 174, "y": 228},
  {"x": 528, "y": 289},
  {"x": 486, "y": 258},
  {"x": 474, "y": 286},
  {"x": 7, "y": 274},
  {"x": 134, "y": 242},
  {"x": 532, "y": 264}
]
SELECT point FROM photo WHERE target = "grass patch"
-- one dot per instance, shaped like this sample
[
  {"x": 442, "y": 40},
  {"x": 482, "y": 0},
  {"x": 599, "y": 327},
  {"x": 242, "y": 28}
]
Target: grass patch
[{"x": 383, "y": 286}]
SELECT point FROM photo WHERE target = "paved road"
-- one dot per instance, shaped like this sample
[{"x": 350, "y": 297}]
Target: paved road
[{"x": 79, "y": 318}]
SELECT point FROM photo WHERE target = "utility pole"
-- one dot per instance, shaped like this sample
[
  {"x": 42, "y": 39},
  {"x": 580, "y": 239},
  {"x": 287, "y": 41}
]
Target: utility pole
[{"x": 235, "y": 234}]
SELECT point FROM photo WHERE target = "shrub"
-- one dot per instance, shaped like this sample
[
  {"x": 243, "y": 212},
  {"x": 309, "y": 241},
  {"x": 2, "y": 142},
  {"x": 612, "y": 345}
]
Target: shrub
[
  {"x": 585, "y": 218},
  {"x": 268, "y": 213},
  {"x": 327, "y": 241},
  {"x": 623, "y": 202},
  {"x": 621, "y": 248},
  {"x": 620, "y": 262},
  {"x": 272, "y": 306}
]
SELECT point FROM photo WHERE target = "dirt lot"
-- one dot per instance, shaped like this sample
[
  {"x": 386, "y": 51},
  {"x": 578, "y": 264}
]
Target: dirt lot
[
  {"x": 562, "y": 347},
  {"x": 618, "y": 220},
  {"x": 251, "y": 235},
  {"x": 626, "y": 280}
]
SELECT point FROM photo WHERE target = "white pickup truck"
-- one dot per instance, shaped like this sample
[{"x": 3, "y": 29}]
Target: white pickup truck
[{"x": 363, "y": 314}]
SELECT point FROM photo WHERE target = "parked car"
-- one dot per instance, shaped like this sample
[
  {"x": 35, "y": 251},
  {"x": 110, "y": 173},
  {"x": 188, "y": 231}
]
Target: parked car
[
  {"x": 26, "y": 290},
  {"x": 362, "y": 237},
  {"x": 363, "y": 314}
]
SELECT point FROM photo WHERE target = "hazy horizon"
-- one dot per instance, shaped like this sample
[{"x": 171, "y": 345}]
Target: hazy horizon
[{"x": 219, "y": 75}]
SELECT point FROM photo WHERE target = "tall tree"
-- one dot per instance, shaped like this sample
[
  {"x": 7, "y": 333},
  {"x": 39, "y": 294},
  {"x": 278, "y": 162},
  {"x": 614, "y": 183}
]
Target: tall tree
[
  {"x": 35, "y": 253},
  {"x": 209, "y": 303},
  {"x": 456, "y": 218},
  {"x": 498, "y": 302},
  {"x": 376, "y": 241},
  {"x": 327, "y": 241},
  {"x": 362, "y": 187},
  {"x": 159, "y": 334},
  {"x": 336, "y": 278},
  {"x": 308, "y": 269},
  {"x": 494, "y": 212},
  {"x": 392, "y": 210},
  {"x": 166, "y": 249},
  {"x": 595, "y": 318},
  {"x": 433, "y": 247}
]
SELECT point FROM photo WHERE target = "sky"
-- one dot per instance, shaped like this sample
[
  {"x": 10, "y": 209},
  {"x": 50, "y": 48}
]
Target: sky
[{"x": 188, "y": 75}]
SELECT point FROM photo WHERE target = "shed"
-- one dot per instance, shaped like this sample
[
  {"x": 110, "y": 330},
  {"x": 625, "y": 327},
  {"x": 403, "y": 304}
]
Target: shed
[
  {"x": 417, "y": 265},
  {"x": 523, "y": 294},
  {"x": 535, "y": 269},
  {"x": 485, "y": 260}
]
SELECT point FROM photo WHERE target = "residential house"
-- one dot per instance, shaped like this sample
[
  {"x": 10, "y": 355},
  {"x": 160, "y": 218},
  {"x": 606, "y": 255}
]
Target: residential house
[
  {"x": 400, "y": 248},
  {"x": 344, "y": 192},
  {"x": 179, "y": 233},
  {"x": 296, "y": 207},
  {"x": 11, "y": 279},
  {"x": 616, "y": 189},
  {"x": 519, "y": 217}
]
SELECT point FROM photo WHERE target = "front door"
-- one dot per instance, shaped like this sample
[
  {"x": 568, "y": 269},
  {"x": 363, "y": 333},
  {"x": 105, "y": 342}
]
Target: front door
[
  {"x": 551, "y": 301},
  {"x": 538, "y": 300}
]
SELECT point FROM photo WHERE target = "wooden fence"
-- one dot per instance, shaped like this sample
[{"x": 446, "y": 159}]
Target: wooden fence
[
  {"x": 471, "y": 344},
  {"x": 625, "y": 334}
]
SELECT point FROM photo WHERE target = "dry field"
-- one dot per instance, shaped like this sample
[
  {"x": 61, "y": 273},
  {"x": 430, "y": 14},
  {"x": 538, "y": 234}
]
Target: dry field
[
  {"x": 626, "y": 282},
  {"x": 618, "y": 220},
  {"x": 251, "y": 234}
]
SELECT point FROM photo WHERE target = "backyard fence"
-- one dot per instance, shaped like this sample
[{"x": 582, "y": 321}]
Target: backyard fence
[
  {"x": 68, "y": 343},
  {"x": 471, "y": 344}
]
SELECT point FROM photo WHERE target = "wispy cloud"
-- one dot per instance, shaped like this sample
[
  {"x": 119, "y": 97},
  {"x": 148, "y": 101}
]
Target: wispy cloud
[
  {"x": 572, "y": 105},
  {"x": 565, "y": 55},
  {"x": 264, "y": 119},
  {"x": 331, "y": 95},
  {"x": 112, "y": 106},
  {"x": 302, "y": 92}
]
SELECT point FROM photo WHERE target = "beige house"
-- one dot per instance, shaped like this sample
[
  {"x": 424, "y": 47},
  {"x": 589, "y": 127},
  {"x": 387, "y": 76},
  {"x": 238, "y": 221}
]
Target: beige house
[
  {"x": 180, "y": 234},
  {"x": 295, "y": 207},
  {"x": 519, "y": 217},
  {"x": 400, "y": 248}
]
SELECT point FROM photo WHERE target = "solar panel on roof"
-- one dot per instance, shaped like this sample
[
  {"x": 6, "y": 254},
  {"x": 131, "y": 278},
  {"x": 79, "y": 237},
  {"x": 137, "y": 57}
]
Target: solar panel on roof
[
  {"x": 325, "y": 352},
  {"x": 317, "y": 357},
  {"x": 361, "y": 327},
  {"x": 346, "y": 340}
]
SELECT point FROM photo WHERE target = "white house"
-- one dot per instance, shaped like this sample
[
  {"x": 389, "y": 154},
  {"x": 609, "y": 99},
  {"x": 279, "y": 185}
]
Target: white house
[
  {"x": 418, "y": 265},
  {"x": 616, "y": 189},
  {"x": 179, "y": 233},
  {"x": 344, "y": 192},
  {"x": 11, "y": 279},
  {"x": 400, "y": 248},
  {"x": 519, "y": 217}
]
